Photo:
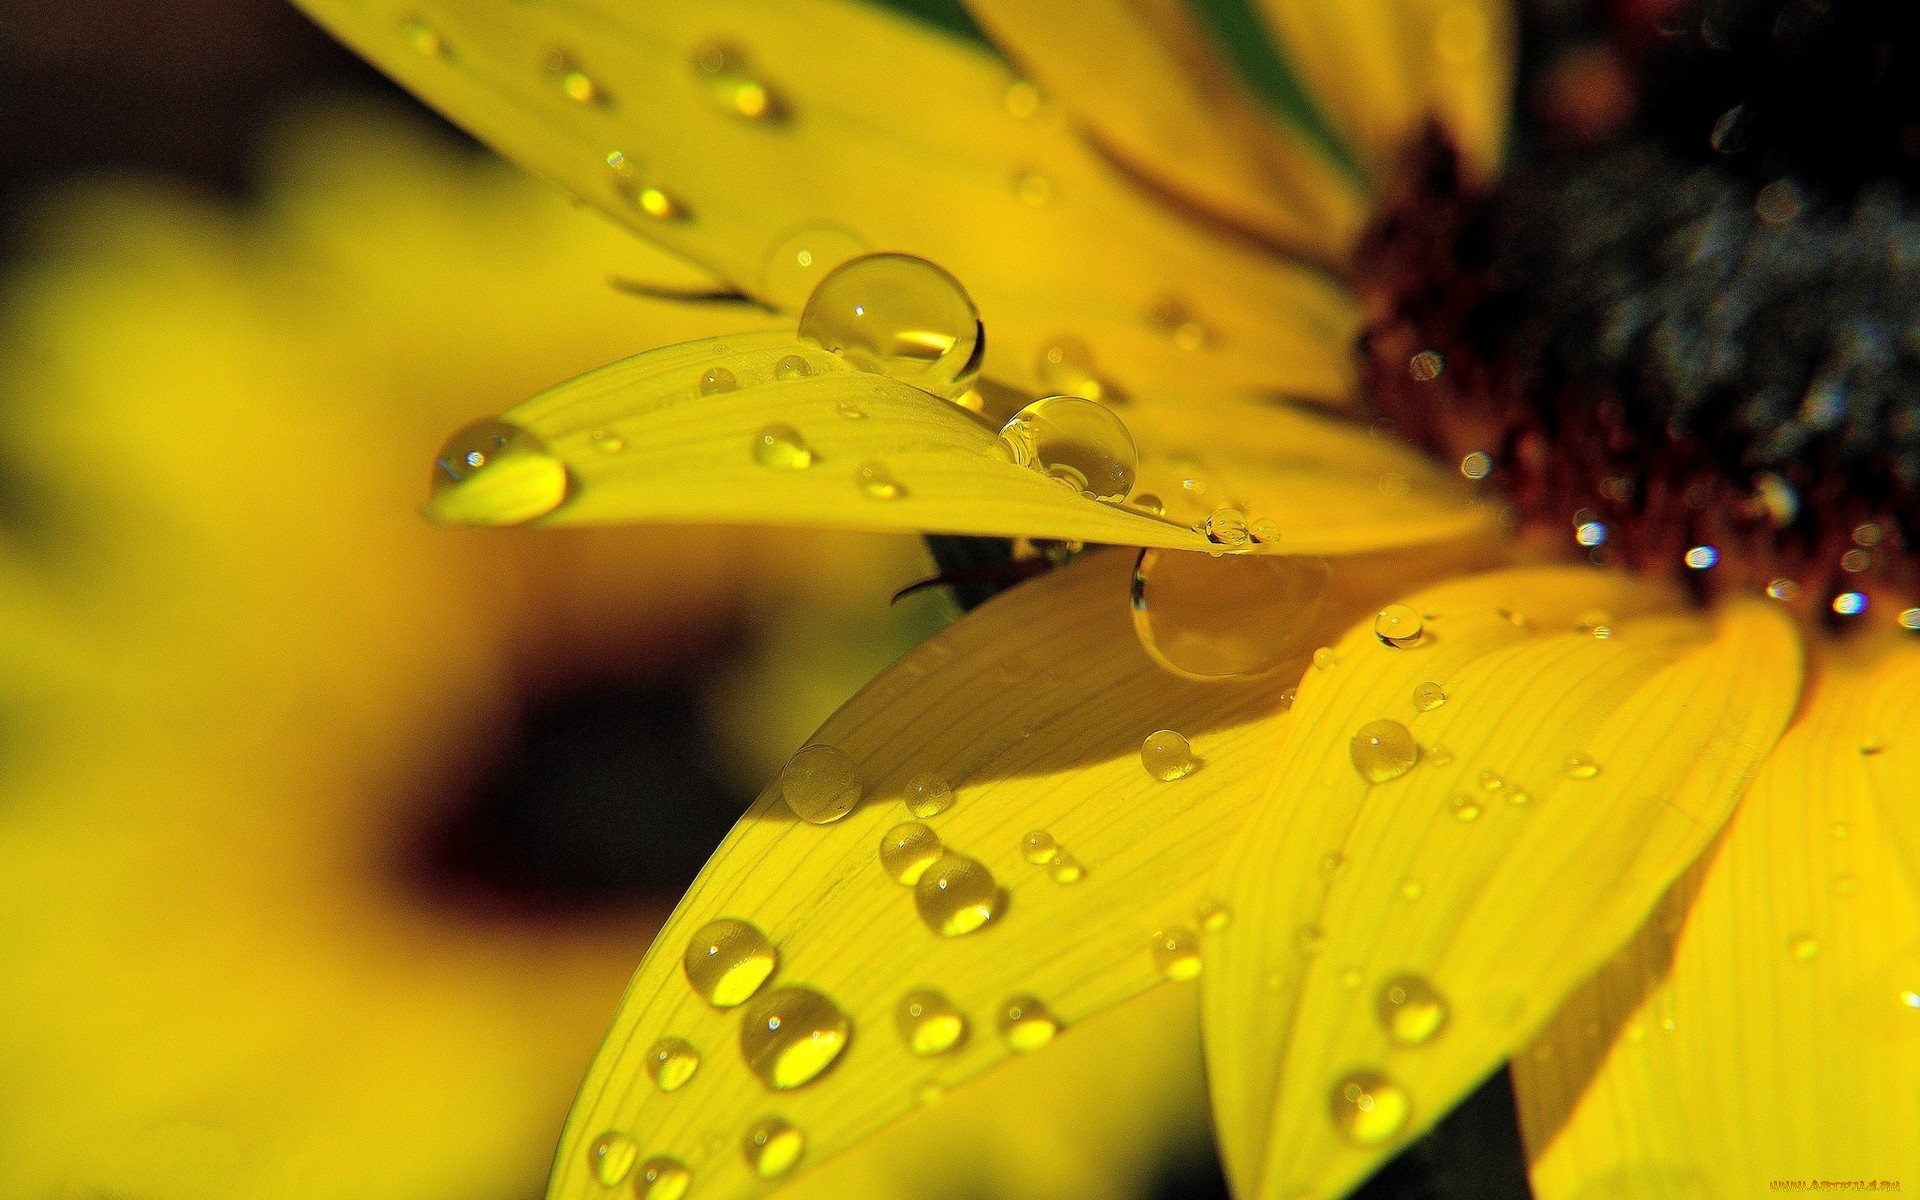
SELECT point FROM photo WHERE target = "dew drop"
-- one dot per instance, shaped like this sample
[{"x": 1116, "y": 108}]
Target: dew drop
[
  {"x": 928, "y": 1022},
  {"x": 1369, "y": 1109},
  {"x": 791, "y": 367},
  {"x": 726, "y": 962},
  {"x": 671, "y": 1061},
  {"x": 907, "y": 850},
  {"x": 800, "y": 260},
  {"x": 1022, "y": 99},
  {"x": 1411, "y": 890},
  {"x": 1491, "y": 780},
  {"x": 611, "y": 1158},
  {"x": 1078, "y": 442},
  {"x": 1065, "y": 868},
  {"x": 850, "y": 410},
  {"x": 1411, "y": 1010},
  {"x": 1166, "y": 755},
  {"x": 899, "y": 316},
  {"x": 659, "y": 204},
  {"x": 1025, "y": 1023},
  {"x": 495, "y": 473},
  {"x": 876, "y": 483},
  {"x": 1466, "y": 809},
  {"x": 1032, "y": 188},
  {"x": 820, "y": 784},
  {"x": 1383, "y": 750},
  {"x": 1425, "y": 367},
  {"x": 928, "y": 795},
  {"x": 1158, "y": 507},
  {"x": 792, "y": 1034},
  {"x": 1428, "y": 696},
  {"x": 780, "y": 447},
  {"x": 1519, "y": 797},
  {"x": 1266, "y": 531},
  {"x": 956, "y": 895},
  {"x": 661, "y": 1179},
  {"x": 1311, "y": 939},
  {"x": 1398, "y": 625},
  {"x": 732, "y": 87},
  {"x": 717, "y": 380},
  {"x": 1038, "y": 847},
  {"x": 1351, "y": 979},
  {"x": 1176, "y": 953},
  {"x": 1227, "y": 527},
  {"x": 1213, "y": 915},
  {"x": 1225, "y": 618},
  {"x": 608, "y": 442},
  {"x": 1324, "y": 658},
  {"x": 771, "y": 1146},
  {"x": 1477, "y": 465},
  {"x": 423, "y": 38},
  {"x": 1579, "y": 766},
  {"x": 1803, "y": 946},
  {"x": 1065, "y": 367}
]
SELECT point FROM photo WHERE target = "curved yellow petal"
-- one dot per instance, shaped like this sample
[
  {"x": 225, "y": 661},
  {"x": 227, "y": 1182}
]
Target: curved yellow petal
[
  {"x": 1032, "y": 711},
  {"x": 1384, "y": 68},
  {"x": 1143, "y": 79},
  {"x": 1460, "y": 830},
  {"x": 1765, "y": 1025},
  {"x": 770, "y": 141}
]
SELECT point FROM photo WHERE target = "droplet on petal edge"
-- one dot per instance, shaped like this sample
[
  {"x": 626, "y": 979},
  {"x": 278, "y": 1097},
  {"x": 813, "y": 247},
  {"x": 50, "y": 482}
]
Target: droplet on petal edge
[
  {"x": 1076, "y": 441},
  {"x": 899, "y": 316},
  {"x": 791, "y": 1035},
  {"x": 820, "y": 784},
  {"x": 495, "y": 473},
  {"x": 726, "y": 962}
]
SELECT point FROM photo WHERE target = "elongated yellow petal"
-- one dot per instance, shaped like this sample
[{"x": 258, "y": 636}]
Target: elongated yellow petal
[
  {"x": 1765, "y": 1025},
  {"x": 1015, "y": 739},
  {"x": 769, "y": 141},
  {"x": 1383, "y": 68},
  {"x": 1144, "y": 80},
  {"x": 1477, "y": 799}
]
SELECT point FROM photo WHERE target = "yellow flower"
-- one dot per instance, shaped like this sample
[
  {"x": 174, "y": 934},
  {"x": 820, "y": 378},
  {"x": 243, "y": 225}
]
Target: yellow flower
[{"x": 1420, "y": 798}]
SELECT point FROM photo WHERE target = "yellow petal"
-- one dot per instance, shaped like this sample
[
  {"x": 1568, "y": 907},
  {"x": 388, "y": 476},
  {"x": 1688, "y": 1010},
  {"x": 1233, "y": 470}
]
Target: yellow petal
[
  {"x": 1765, "y": 1025},
  {"x": 1474, "y": 819},
  {"x": 771, "y": 142},
  {"x": 1384, "y": 68},
  {"x": 1143, "y": 78},
  {"x": 1033, "y": 711}
]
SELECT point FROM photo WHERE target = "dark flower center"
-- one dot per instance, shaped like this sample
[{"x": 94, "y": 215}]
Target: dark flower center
[{"x": 1683, "y": 332}]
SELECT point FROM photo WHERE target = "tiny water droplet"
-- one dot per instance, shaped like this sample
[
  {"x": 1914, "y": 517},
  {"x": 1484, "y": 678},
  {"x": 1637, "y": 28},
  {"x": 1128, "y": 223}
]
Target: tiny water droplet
[
  {"x": 1153, "y": 504},
  {"x": 1065, "y": 868},
  {"x": 611, "y": 1158},
  {"x": 1411, "y": 1010},
  {"x": 1439, "y": 756},
  {"x": 1352, "y": 978},
  {"x": 1491, "y": 780},
  {"x": 661, "y": 1179},
  {"x": 899, "y": 316},
  {"x": 771, "y": 1147},
  {"x": 1224, "y": 618},
  {"x": 1227, "y": 527},
  {"x": 851, "y": 411},
  {"x": 1266, "y": 531},
  {"x": 608, "y": 442},
  {"x": 717, "y": 380},
  {"x": 671, "y": 1061},
  {"x": 1803, "y": 946},
  {"x": 1519, "y": 797},
  {"x": 1383, "y": 750},
  {"x": 656, "y": 202},
  {"x": 1311, "y": 939},
  {"x": 791, "y": 367},
  {"x": 1579, "y": 766},
  {"x": 1032, "y": 188},
  {"x": 1166, "y": 755},
  {"x": 1213, "y": 915},
  {"x": 928, "y": 795},
  {"x": 1025, "y": 1023},
  {"x": 1466, "y": 809},
  {"x": 928, "y": 1022},
  {"x": 1176, "y": 953},
  {"x": 907, "y": 850},
  {"x": 1039, "y": 847},
  {"x": 1324, "y": 659},
  {"x": 876, "y": 482},
  {"x": 726, "y": 961},
  {"x": 1428, "y": 696},
  {"x": 792, "y": 1034},
  {"x": 1369, "y": 1109},
  {"x": 1411, "y": 890},
  {"x": 1079, "y": 442},
  {"x": 956, "y": 895},
  {"x": 820, "y": 784},
  {"x": 423, "y": 38},
  {"x": 780, "y": 447},
  {"x": 732, "y": 87},
  {"x": 1332, "y": 864},
  {"x": 1398, "y": 625},
  {"x": 495, "y": 473},
  {"x": 1022, "y": 99}
]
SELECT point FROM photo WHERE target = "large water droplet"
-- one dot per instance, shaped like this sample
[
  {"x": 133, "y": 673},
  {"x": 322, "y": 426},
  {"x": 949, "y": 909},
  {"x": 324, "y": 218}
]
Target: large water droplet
[
  {"x": 495, "y": 473},
  {"x": 1398, "y": 625},
  {"x": 929, "y": 1024},
  {"x": 1225, "y": 618},
  {"x": 956, "y": 895},
  {"x": 611, "y": 1158},
  {"x": 907, "y": 850},
  {"x": 771, "y": 1146},
  {"x": 1383, "y": 750},
  {"x": 1176, "y": 952},
  {"x": 661, "y": 1179},
  {"x": 1227, "y": 527},
  {"x": 781, "y": 447},
  {"x": 1076, "y": 441},
  {"x": 1369, "y": 1108},
  {"x": 898, "y": 316},
  {"x": 732, "y": 87},
  {"x": 671, "y": 1061},
  {"x": 726, "y": 962},
  {"x": 792, "y": 1034},
  {"x": 1411, "y": 1010},
  {"x": 1025, "y": 1023},
  {"x": 928, "y": 795},
  {"x": 820, "y": 784},
  {"x": 800, "y": 260}
]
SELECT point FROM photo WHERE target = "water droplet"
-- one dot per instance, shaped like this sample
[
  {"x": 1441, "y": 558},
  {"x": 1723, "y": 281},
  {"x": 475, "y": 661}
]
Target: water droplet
[
  {"x": 1477, "y": 465},
  {"x": 1065, "y": 868},
  {"x": 1465, "y": 809},
  {"x": 1076, "y": 441},
  {"x": 908, "y": 849},
  {"x": 876, "y": 482},
  {"x": 1172, "y": 317},
  {"x": 1803, "y": 946},
  {"x": 1153, "y": 504},
  {"x": 1039, "y": 847},
  {"x": 928, "y": 795},
  {"x": 1579, "y": 766},
  {"x": 1425, "y": 367},
  {"x": 820, "y": 784},
  {"x": 1701, "y": 557},
  {"x": 780, "y": 447},
  {"x": 1266, "y": 531},
  {"x": 1519, "y": 797},
  {"x": 1398, "y": 625},
  {"x": 1850, "y": 604},
  {"x": 1428, "y": 696},
  {"x": 671, "y": 1061},
  {"x": 850, "y": 410},
  {"x": 658, "y": 203},
  {"x": 792, "y": 1034},
  {"x": 929, "y": 1024},
  {"x": 800, "y": 260},
  {"x": 423, "y": 38},
  {"x": 1411, "y": 890},
  {"x": 1590, "y": 534},
  {"x": 1352, "y": 978},
  {"x": 717, "y": 380},
  {"x": 1032, "y": 188},
  {"x": 1022, "y": 99},
  {"x": 1783, "y": 589},
  {"x": 611, "y": 1158},
  {"x": 1166, "y": 755},
  {"x": 1333, "y": 864},
  {"x": 1838, "y": 829},
  {"x": 1383, "y": 750},
  {"x": 1226, "y": 527},
  {"x": 1176, "y": 952},
  {"x": 1224, "y": 618},
  {"x": 1025, "y": 1023},
  {"x": 1311, "y": 939},
  {"x": 899, "y": 316},
  {"x": 956, "y": 895},
  {"x": 1412, "y": 1011},
  {"x": 726, "y": 962},
  {"x": 661, "y": 1179},
  {"x": 495, "y": 473},
  {"x": 771, "y": 1147},
  {"x": 1439, "y": 755},
  {"x": 608, "y": 442},
  {"x": 732, "y": 87},
  {"x": 791, "y": 367},
  {"x": 1324, "y": 658},
  {"x": 1491, "y": 780},
  {"x": 1213, "y": 915},
  {"x": 1369, "y": 1109},
  {"x": 1065, "y": 367},
  {"x": 1845, "y": 885}
]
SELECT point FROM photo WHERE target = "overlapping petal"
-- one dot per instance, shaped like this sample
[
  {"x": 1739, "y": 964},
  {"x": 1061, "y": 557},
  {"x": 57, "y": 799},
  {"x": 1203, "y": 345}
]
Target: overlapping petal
[
  {"x": 1765, "y": 1025},
  {"x": 771, "y": 141},
  {"x": 1414, "y": 898}
]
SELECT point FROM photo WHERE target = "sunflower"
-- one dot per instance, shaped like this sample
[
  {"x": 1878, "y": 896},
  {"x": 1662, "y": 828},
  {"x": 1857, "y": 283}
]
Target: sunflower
[{"x": 1506, "y": 667}]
